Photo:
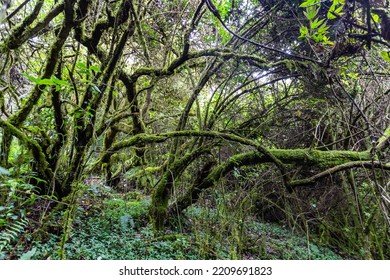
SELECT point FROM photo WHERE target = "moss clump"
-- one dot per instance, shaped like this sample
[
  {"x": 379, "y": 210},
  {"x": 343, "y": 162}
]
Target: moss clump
[{"x": 318, "y": 158}]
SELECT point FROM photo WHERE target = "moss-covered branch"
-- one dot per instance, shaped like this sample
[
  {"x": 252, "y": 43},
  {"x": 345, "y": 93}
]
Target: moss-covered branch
[
  {"x": 322, "y": 159},
  {"x": 280, "y": 157},
  {"x": 192, "y": 194},
  {"x": 140, "y": 33},
  {"x": 298, "y": 156},
  {"x": 18, "y": 30},
  {"x": 338, "y": 168},
  {"x": 336, "y": 160},
  {"x": 33, "y": 146},
  {"x": 384, "y": 141},
  {"x": 91, "y": 42},
  {"x": 110, "y": 68},
  {"x": 23, "y": 32},
  {"x": 49, "y": 69}
]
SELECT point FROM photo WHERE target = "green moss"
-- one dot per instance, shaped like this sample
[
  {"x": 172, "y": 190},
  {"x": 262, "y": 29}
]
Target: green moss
[
  {"x": 3, "y": 48},
  {"x": 301, "y": 157},
  {"x": 278, "y": 156},
  {"x": 33, "y": 145},
  {"x": 319, "y": 158},
  {"x": 385, "y": 138},
  {"x": 158, "y": 216}
]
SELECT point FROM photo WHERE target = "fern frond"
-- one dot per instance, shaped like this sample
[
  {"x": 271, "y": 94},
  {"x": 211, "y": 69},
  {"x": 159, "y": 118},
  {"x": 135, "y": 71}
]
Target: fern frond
[{"x": 12, "y": 232}]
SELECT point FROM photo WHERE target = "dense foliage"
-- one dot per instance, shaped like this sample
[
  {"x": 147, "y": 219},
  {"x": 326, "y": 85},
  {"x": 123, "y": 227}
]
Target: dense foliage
[{"x": 178, "y": 128}]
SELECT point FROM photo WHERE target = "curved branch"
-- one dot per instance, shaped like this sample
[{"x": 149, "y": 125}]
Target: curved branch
[
  {"x": 32, "y": 145},
  {"x": 384, "y": 141},
  {"x": 338, "y": 168},
  {"x": 215, "y": 12},
  {"x": 303, "y": 156},
  {"x": 22, "y": 33},
  {"x": 344, "y": 161},
  {"x": 16, "y": 10},
  {"x": 50, "y": 67}
]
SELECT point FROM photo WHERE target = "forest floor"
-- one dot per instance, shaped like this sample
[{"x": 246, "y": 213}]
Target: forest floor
[{"x": 109, "y": 225}]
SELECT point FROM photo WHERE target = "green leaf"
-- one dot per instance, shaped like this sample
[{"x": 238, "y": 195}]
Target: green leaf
[
  {"x": 60, "y": 82},
  {"x": 30, "y": 78},
  {"x": 224, "y": 8},
  {"x": 81, "y": 65},
  {"x": 339, "y": 10},
  {"x": 316, "y": 23},
  {"x": 386, "y": 56},
  {"x": 323, "y": 28},
  {"x": 225, "y": 35},
  {"x": 47, "y": 82},
  {"x": 77, "y": 114},
  {"x": 82, "y": 68},
  {"x": 353, "y": 75},
  {"x": 375, "y": 18},
  {"x": 325, "y": 41},
  {"x": 28, "y": 255},
  {"x": 336, "y": 9},
  {"x": 4, "y": 171},
  {"x": 95, "y": 68},
  {"x": 330, "y": 15},
  {"x": 304, "y": 31},
  {"x": 308, "y": 3},
  {"x": 311, "y": 12},
  {"x": 318, "y": 37}
]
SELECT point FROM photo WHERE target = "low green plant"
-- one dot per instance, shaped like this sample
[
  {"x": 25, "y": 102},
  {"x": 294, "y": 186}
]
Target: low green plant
[
  {"x": 16, "y": 198},
  {"x": 118, "y": 228},
  {"x": 96, "y": 237},
  {"x": 122, "y": 213},
  {"x": 228, "y": 231}
]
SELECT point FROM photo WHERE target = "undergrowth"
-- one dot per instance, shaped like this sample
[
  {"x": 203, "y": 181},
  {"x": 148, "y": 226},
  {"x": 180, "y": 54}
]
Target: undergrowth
[
  {"x": 257, "y": 240},
  {"x": 112, "y": 226},
  {"x": 119, "y": 229},
  {"x": 16, "y": 198}
]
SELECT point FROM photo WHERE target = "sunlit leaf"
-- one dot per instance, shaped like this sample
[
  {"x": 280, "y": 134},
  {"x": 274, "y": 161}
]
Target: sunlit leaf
[
  {"x": 30, "y": 78},
  {"x": 311, "y": 12},
  {"x": 375, "y": 18},
  {"x": 386, "y": 56},
  {"x": 323, "y": 28},
  {"x": 47, "y": 82},
  {"x": 60, "y": 82},
  {"x": 95, "y": 68},
  {"x": 316, "y": 23},
  {"x": 304, "y": 31},
  {"x": 81, "y": 65},
  {"x": 308, "y": 3}
]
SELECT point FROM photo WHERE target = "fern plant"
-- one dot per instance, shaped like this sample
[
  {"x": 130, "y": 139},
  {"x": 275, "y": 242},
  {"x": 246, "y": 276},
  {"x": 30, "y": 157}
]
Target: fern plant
[
  {"x": 16, "y": 197},
  {"x": 12, "y": 232}
]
